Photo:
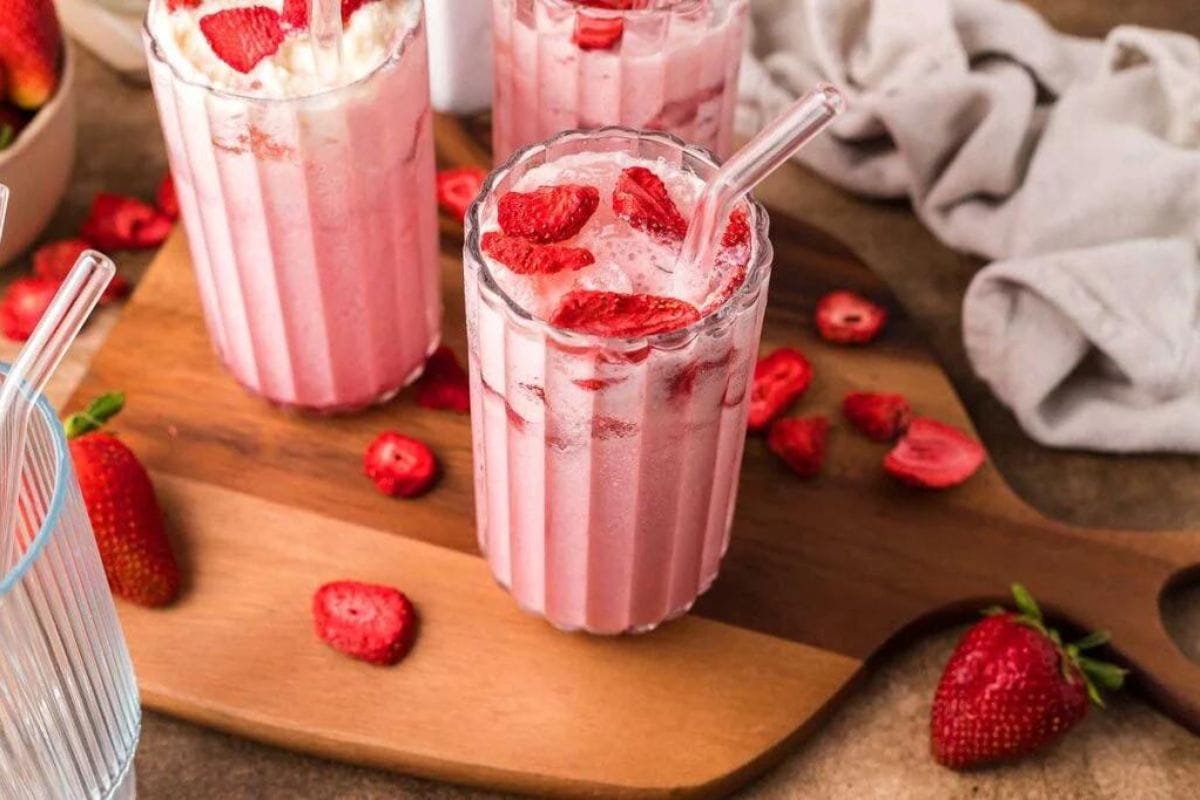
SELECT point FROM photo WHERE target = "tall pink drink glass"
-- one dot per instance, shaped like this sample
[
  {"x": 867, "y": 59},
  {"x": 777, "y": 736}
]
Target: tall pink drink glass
[
  {"x": 667, "y": 65},
  {"x": 606, "y": 469},
  {"x": 312, "y": 226}
]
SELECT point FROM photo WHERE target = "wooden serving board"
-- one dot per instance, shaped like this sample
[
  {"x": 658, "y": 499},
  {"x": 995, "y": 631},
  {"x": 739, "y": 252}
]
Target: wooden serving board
[{"x": 265, "y": 506}]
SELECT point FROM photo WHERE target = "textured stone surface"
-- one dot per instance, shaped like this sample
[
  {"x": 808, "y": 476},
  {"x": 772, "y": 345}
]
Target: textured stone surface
[{"x": 875, "y": 744}]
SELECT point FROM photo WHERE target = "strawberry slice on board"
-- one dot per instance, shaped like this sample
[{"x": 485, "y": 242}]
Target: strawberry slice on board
[
  {"x": 1013, "y": 688},
  {"x": 55, "y": 259},
  {"x": 933, "y": 455},
  {"x": 444, "y": 385},
  {"x": 24, "y": 302},
  {"x": 116, "y": 222},
  {"x": 800, "y": 443},
  {"x": 371, "y": 622},
  {"x": 621, "y": 315},
  {"x": 457, "y": 188},
  {"x": 548, "y": 214},
  {"x": 877, "y": 415},
  {"x": 779, "y": 379},
  {"x": 641, "y": 198},
  {"x": 844, "y": 317},
  {"x": 399, "y": 465}
]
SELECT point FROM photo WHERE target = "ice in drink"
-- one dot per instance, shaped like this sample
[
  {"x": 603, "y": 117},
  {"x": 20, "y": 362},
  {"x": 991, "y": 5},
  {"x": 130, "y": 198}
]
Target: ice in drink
[
  {"x": 307, "y": 193},
  {"x": 608, "y": 387}
]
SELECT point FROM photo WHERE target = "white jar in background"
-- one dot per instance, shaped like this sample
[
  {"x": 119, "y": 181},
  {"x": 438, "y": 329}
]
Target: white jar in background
[{"x": 460, "y": 54}]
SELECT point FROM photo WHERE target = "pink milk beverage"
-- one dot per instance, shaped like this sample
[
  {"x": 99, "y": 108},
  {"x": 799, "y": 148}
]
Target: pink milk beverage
[
  {"x": 307, "y": 192},
  {"x": 608, "y": 386},
  {"x": 668, "y": 65}
]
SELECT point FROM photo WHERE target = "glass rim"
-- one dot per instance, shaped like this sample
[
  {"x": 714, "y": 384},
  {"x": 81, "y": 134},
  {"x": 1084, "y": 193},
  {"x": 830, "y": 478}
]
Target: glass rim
[
  {"x": 57, "y": 497},
  {"x": 756, "y": 272},
  {"x": 679, "y": 7},
  {"x": 155, "y": 51}
]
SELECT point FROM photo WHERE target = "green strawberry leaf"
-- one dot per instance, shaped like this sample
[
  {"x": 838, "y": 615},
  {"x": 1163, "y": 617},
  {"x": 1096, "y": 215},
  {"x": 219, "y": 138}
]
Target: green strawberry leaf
[
  {"x": 1093, "y": 639},
  {"x": 100, "y": 411},
  {"x": 7, "y": 134},
  {"x": 1025, "y": 602}
]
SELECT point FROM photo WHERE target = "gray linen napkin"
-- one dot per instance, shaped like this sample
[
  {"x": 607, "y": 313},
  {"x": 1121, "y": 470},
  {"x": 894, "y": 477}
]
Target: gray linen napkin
[{"x": 1074, "y": 164}]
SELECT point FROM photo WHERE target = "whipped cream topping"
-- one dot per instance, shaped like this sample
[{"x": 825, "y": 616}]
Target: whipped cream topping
[{"x": 371, "y": 36}]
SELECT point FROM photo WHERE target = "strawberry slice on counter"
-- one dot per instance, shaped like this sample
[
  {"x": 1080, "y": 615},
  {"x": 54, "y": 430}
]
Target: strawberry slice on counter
[
  {"x": 800, "y": 443},
  {"x": 548, "y": 214},
  {"x": 641, "y": 198},
  {"x": 457, "y": 188},
  {"x": 933, "y": 455},
  {"x": 399, "y": 465},
  {"x": 779, "y": 379},
  {"x": 444, "y": 384},
  {"x": 244, "y": 36},
  {"x": 626, "y": 316},
  {"x": 24, "y": 302},
  {"x": 877, "y": 415},
  {"x": 367, "y": 621},
  {"x": 30, "y": 48},
  {"x": 124, "y": 512},
  {"x": 526, "y": 258},
  {"x": 116, "y": 222},
  {"x": 54, "y": 260},
  {"x": 847, "y": 318},
  {"x": 1012, "y": 688}
]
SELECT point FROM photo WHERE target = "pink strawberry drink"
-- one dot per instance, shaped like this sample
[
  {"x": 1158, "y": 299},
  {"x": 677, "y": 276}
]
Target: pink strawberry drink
[
  {"x": 308, "y": 197},
  {"x": 669, "y": 65},
  {"x": 608, "y": 390}
]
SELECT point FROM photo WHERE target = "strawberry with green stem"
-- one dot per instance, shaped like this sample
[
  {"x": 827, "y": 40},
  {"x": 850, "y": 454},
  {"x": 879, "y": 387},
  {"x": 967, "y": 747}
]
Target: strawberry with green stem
[
  {"x": 124, "y": 512},
  {"x": 1012, "y": 687}
]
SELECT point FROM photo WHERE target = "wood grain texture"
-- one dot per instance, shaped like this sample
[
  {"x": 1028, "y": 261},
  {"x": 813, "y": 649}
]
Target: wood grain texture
[{"x": 846, "y": 564}]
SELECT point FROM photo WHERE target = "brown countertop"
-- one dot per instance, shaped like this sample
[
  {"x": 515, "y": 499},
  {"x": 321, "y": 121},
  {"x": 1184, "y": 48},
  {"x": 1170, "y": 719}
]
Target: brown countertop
[{"x": 875, "y": 745}]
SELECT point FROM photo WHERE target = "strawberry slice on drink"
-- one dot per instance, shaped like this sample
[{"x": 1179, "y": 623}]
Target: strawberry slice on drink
[
  {"x": 527, "y": 258},
  {"x": 548, "y": 214},
  {"x": 641, "y": 199},
  {"x": 244, "y": 36},
  {"x": 602, "y": 313}
]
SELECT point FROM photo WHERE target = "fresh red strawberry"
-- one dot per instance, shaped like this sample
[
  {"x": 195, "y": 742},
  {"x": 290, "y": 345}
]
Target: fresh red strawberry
[
  {"x": 622, "y": 315},
  {"x": 166, "y": 199},
  {"x": 800, "y": 443},
  {"x": 400, "y": 465},
  {"x": 848, "y": 318},
  {"x": 54, "y": 260},
  {"x": 877, "y": 416},
  {"x": 444, "y": 383},
  {"x": 641, "y": 199},
  {"x": 295, "y": 12},
  {"x": 117, "y": 222},
  {"x": 779, "y": 379},
  {"x": 30, "y": 46},
  {"x": 1012, "y": 688},
  {"x": 934, "y": 455},
  {"x": 367, "y": 621},
  {"x": 457, "y": 188},
  {"x": 526, "y": 258},
  {"x": 24, "y": 302},
  {"x": 548, "y": 214},
  {"x": 128, "y": 523},
  {"x": 244, "y": 36}
]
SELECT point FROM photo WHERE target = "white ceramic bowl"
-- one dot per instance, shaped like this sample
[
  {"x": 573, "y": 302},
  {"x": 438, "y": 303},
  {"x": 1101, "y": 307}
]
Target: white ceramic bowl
[{"x": 38, "y": 165}]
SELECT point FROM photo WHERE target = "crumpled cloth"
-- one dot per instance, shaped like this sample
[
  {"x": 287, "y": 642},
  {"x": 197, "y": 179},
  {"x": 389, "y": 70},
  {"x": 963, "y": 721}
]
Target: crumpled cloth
[{"x": 1073, "y": 165}]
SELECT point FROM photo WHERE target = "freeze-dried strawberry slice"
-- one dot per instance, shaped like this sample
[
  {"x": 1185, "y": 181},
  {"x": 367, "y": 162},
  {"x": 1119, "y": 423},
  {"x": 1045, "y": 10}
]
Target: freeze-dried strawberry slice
[
  {"x": 737, "y": 232},
  {"x": 117, "y": 222},
  {"x": 641, "y": 199},
  {"x": 23, "y": 304},
  {"x": 548, "y": 214},
  {"x": 779, "y": 379},
  {"x": 526, "y": 258},
  {"x": 444, "y": 383},
  {"x": 934, "y": 455},
  {"x": 165, "y": 198},
  {"x": 622, "y": 315},
  {"x": 877, "y": 416},
  {"x": 457, "y": 188},
  {"x": 400, "y": 465},
  {"x": 54, "y": 260},
  {"x": 367, "y": 621},
  {"x": 847, "y": 318},
  {"x": 800, "y": 443},
  {"x": 244, "y": 36}
]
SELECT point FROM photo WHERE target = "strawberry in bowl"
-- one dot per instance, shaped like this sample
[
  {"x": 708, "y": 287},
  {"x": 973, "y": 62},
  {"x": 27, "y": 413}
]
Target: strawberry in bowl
[{"x": 37, "y": 118}]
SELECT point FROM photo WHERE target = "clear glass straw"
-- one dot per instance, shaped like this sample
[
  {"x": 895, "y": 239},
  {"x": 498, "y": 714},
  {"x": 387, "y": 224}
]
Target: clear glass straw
[
  {"x": 325, "y": 35},
  {"x": 746, "y": 168},
  {"x": 36, "y": 362}
]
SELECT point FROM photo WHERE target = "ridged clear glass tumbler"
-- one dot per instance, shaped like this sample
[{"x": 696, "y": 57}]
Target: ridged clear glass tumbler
[{"x": 69, "y": 713}]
